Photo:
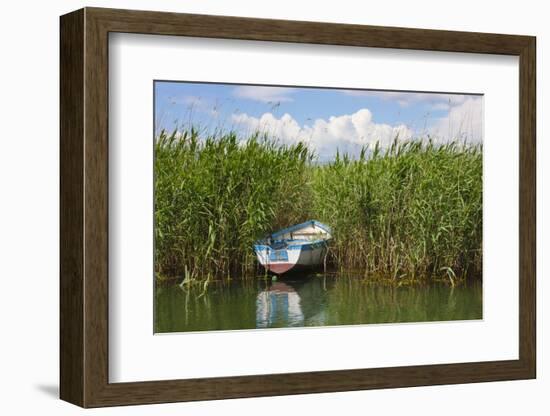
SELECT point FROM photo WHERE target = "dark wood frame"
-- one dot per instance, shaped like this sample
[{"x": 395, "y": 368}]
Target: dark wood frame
[{"x": 84, "y": 207}]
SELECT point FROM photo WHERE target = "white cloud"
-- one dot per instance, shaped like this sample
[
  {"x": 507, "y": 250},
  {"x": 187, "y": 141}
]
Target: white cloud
[
  {"x": 192, "y": 100},
  {"x": 264, "y": 94},
  {"x": 346, "y": 133},
  {"x": 437, "y": 101},
  {"x": 464, "y": 121},
  {"x": 189, "y": 100}
]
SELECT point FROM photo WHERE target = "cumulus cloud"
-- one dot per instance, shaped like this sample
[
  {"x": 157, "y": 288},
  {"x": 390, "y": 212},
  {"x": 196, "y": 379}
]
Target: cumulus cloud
[
  {"x": 347, "y": 133},
  {"x": 264, "y": 94},
  {"x": 463, "y": 122}
]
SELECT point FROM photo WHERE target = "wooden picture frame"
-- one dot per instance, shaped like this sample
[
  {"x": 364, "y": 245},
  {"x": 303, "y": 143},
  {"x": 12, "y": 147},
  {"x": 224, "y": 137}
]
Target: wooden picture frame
[{"x": 84, "y": 207}]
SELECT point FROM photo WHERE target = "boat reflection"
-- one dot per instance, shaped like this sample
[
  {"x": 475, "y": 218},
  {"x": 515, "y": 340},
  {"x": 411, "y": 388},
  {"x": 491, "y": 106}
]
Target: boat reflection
[
  {"x": 277, "y": 305},
  {"x": 290, "y": 303}
]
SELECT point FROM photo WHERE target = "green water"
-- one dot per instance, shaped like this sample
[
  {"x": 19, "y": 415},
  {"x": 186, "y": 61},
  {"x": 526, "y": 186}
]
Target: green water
[{"x": 310, "y": 301}]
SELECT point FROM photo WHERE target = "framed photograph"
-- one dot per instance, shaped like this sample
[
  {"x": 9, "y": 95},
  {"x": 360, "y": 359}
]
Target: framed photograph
[{"x": 255, "y": 207}]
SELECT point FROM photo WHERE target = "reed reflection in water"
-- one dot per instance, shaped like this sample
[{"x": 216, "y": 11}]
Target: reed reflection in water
[{"x": 310, "y": 301}]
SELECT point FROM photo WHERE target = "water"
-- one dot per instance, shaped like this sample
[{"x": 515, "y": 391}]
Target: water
[{"x": 310, "y": 301}]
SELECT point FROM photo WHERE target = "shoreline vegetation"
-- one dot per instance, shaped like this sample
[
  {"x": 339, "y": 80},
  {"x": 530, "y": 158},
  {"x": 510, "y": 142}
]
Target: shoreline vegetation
[{"x": 411, "y": 212}]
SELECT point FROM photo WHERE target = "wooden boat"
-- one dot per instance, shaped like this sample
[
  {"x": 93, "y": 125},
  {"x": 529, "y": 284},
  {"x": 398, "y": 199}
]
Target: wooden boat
[{"x": 300, "y": 246}]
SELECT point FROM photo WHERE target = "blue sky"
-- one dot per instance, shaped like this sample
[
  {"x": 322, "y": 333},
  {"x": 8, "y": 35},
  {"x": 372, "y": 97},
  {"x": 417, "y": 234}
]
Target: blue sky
[{"x": 328, "y": 119}]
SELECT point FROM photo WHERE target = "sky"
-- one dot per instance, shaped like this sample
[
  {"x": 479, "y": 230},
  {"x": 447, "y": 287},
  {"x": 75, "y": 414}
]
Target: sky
[{"x": 328, "y": 120}]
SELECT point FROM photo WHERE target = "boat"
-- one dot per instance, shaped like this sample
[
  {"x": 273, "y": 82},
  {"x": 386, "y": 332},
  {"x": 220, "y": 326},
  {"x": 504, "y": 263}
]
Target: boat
[{"x": 297, "y": 247}]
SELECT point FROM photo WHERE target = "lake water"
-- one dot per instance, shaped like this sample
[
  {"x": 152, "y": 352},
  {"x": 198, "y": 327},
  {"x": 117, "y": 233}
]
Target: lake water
[{"x": 310, "y": 301}]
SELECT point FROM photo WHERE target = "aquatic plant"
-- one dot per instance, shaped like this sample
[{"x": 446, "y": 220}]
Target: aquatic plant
[
  {"x": 215, "y": 196},
  {"x": 411, "y": 211}
]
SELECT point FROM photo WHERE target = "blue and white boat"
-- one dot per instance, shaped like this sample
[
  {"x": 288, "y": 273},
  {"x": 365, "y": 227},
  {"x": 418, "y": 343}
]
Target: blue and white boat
[{"x": 300, "y": 246}]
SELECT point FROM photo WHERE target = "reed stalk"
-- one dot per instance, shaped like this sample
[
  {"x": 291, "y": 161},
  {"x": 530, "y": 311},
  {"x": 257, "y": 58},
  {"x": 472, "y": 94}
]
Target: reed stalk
[{"x": 413, "y": 210}]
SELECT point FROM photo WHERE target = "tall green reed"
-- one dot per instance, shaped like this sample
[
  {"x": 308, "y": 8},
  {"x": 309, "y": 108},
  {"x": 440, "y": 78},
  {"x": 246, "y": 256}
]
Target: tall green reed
[
  {"x": 412, "y": 210},
  {"x": 215, "y": 196}
]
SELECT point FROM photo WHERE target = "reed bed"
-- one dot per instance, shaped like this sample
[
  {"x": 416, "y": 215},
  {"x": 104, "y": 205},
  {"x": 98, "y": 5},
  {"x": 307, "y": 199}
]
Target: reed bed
[
  {"x": 411, "y": 211},
  {"x": 215, "y": 196}
]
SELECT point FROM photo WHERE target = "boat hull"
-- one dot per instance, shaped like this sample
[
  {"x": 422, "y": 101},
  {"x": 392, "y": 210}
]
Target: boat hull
[
  {"x": 280, "y": 268},
  {"x": 291, "y": 258}
]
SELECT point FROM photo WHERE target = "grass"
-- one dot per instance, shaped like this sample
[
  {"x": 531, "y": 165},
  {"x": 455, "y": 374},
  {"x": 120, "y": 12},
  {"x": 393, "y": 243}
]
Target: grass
[{"x": 412, "y": 211}]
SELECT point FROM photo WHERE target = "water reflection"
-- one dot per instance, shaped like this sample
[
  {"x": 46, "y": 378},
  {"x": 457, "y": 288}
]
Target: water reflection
[
  {"x": 310, "y": 301},
  {"x": 280, "y": 302}
]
